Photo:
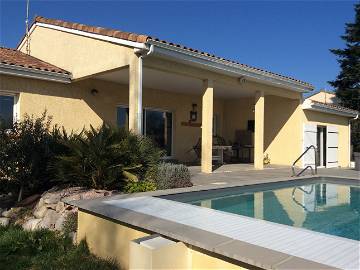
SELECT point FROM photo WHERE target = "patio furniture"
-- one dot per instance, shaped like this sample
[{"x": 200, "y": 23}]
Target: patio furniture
[
  {"x": 219, "y": 147},
  {"x": 243, "y": 146}
]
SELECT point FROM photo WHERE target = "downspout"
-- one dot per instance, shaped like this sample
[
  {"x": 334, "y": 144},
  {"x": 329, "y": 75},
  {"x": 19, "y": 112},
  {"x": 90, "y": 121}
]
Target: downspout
[
  {"x": 351, "y": 119},
  {"x": 141, "y": 53}
]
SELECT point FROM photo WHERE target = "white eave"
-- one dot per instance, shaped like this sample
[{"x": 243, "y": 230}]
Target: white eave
[
  {"x": 324, "y": 108},
  {"x": 34, "y": 73},
  {"x": 218, "y": 65}
]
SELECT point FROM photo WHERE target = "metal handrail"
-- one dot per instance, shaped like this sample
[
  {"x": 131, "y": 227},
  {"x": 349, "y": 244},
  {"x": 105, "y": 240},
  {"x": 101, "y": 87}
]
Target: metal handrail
[
  {"x": 307, "y": 167},
  {"x": 303, "y": 190}
]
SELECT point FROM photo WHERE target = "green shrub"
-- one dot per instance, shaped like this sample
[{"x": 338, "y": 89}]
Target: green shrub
[
  {"x": 141, "y": 186},
  {"x": 70, "y": 223},
  {"x": 106, "y": 158},
  {"x": 169, "y": 175},
  {"x": 44, "y": 249},
  {"x": 26, "y": 151}
]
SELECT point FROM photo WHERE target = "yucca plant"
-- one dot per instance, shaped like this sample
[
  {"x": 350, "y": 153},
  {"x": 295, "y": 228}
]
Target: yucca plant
[{"x": 106, "y": 158}]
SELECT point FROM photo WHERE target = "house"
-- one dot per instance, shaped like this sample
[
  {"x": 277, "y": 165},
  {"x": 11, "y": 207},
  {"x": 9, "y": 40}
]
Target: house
[{"x": 169, "y": 92}]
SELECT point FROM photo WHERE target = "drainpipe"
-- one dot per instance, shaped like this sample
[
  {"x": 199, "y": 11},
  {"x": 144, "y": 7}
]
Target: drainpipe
[
  {"x": 351, "y": 119},
  {"x": 141, "y": 53}
]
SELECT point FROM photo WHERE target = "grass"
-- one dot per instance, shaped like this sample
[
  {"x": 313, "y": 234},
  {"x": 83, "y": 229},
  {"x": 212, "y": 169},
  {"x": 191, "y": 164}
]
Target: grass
[{"x": 44, "y": 249}]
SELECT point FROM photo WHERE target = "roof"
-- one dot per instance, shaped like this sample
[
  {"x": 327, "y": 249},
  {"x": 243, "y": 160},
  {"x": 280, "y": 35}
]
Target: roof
[
  {"x": 330, "y": 108},
  {"x": 16, "y": 58},
  {"x": 140, "y": 38}
]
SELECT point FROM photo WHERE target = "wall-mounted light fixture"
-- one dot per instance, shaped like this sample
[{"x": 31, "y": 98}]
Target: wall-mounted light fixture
[
  {"x": 193, "y": 113},
  {"x": 94, "y": 92}
]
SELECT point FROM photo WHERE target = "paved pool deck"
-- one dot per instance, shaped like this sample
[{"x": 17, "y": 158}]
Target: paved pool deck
[{"x": 245, "y": 174}]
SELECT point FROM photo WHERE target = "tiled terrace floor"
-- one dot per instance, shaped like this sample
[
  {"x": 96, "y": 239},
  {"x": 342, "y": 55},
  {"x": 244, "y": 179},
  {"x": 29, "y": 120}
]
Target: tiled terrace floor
[{"x": 246, "y": 174}]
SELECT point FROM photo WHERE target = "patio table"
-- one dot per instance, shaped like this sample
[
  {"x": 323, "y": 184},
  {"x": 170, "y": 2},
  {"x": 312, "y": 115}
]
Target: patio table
[{"x": 221, "y": 149}]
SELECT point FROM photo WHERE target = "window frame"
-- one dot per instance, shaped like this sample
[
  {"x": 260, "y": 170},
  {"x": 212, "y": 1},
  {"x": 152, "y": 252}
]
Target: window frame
[
  {"x": 16, "y": 104},
  {"x": 122, "y": 105}
]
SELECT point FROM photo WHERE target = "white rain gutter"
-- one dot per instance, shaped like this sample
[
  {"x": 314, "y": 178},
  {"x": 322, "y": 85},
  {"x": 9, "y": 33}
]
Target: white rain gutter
[
  {"x": 218, "y": 65},
  {"x": 309, "y": 105},
  {"x": 141, "y": 53},
  {"x": 34, "y": 73}
]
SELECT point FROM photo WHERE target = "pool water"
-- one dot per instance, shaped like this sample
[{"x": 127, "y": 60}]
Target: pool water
[{"x": 331, "y": 208}]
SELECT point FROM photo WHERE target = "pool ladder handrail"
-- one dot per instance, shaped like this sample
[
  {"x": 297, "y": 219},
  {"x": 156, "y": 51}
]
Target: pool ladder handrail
[
  {"x": 303, "y": 190},
  {"x": 313, "y": 172}
]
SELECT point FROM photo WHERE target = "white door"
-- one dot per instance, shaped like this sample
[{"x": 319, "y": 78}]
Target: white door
[
  {"x": 332, "y": 140},
  {"x": 310, "y": 131}
]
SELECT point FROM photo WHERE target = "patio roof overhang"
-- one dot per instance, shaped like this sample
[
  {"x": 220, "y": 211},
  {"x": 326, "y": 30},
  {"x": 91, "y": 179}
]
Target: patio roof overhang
[{"x": 164, "y": 50}]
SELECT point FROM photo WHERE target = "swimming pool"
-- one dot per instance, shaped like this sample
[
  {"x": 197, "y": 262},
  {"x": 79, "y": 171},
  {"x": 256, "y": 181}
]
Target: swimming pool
[{"x": 326, "y": 205}]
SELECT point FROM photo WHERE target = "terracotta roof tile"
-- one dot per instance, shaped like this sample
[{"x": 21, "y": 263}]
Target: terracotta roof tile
[
  {"x": 335, "y": 106},
  {"x": 16, "y": 58},
  {"x": 144, "y": 38}
]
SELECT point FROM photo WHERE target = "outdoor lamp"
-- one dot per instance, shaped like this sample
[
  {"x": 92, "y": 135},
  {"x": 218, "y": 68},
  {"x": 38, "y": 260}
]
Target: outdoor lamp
[{"x": 193, "y": 113}]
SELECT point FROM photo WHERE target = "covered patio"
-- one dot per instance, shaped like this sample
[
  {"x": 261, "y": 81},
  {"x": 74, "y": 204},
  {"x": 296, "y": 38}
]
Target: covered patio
[{"x": 235, "y": 119}]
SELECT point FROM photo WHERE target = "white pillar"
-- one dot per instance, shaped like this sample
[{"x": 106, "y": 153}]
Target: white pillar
[
  {"x": 135, "y": 95},
  {"x": 259, "y": 130}
]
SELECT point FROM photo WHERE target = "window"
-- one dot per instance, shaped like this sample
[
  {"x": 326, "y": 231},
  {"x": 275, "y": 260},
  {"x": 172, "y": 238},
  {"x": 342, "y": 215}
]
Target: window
[
  {"x": 122, "y": 117},
  {"x": 157, "y": 125},
  {"x": 6, "y": 111}
]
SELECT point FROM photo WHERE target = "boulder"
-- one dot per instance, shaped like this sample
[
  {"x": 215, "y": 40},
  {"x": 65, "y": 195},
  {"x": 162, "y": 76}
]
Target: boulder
[
  {"x": 4, "y": 221},
  {"x": 51, "y": 206},
  {"x": 40, "y": 212},
  {"x": 29, "y": 201},
  {"x": 51, "y": 198},
  {"x": 60, "y": 207},
  {"x": 31, "y": 224},
  {"x": 49, "y": 219},
  {"x": 12, "y": 212},
  {"x": 59, "y": 224}
]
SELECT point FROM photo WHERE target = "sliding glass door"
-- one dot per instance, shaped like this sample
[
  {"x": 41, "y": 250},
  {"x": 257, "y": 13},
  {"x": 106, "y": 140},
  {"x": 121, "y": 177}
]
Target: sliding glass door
[{"x": 157, "y": 125}]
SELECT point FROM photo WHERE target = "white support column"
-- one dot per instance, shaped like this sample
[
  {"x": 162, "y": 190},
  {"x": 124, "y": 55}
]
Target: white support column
[
  {"x": 207, "y": 126},
  {"x": 259, "y": 130},
  {"x": 135, "y": 95}
]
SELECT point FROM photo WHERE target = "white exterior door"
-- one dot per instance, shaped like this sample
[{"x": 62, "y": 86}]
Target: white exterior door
[
  {"x": 332, "y": 144},
  {"x": 310, "y": 131}
]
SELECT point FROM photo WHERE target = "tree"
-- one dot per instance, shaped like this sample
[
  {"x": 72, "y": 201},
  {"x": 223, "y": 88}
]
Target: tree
[{"x": 347, "y": 83}]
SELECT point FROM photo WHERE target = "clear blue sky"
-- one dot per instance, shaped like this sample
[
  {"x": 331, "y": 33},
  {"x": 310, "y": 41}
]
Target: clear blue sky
[{"x": 287, "y": 37}]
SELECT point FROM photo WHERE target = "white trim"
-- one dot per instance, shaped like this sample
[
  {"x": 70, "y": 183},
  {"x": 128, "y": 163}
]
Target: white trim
[
  {"x": 226, "y": 67},
  {"x": 34, "y": 73},
  {"x": 16, "y": 104},
  {"x": 95, "y": 36},
  {"x": 309, "y": 105}
]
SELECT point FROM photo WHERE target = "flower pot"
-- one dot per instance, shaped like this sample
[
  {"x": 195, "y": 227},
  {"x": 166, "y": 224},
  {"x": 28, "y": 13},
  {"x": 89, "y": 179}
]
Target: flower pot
[{"x": 357, "y": 161}]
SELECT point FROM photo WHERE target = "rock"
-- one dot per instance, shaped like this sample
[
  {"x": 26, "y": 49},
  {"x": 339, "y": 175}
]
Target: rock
[
  {"x": 29, "y": 201},
  {"x": 40, "y": 203},
  {"x": 59, "y": 224},
  {"x": 49, "y": 219},
  {"x": 40, "y": 212},
  {"x": 12, "y": 212},
  {"x": 31, "y": 224},
  {"x": 51, "y": 206},
  {"x": 51, "y": 198},
  {"x": 4, "y": 221},
  {"x": 60, "y": 207}
]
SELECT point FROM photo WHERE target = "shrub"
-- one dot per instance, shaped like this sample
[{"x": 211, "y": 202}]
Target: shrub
[
  {"x": 141, "y": 186},
  {"x": 26, "y": 151},
  {"x": 70, "y": 223},
  {"x": 44, "y": 249},
  {"x": 168, "y": 175},
  {"x": 106, "y": 158}
]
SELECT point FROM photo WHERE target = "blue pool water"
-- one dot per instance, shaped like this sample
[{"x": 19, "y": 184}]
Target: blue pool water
[{"x": 320, "y": 205}]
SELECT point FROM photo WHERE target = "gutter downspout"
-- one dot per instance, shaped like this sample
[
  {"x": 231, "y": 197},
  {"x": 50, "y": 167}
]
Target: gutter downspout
[
  {"x": 351, "y": 119},
  {"x": 141, "y": 53}
]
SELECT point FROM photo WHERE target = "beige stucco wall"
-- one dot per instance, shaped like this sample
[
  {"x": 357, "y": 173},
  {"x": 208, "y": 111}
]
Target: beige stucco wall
[
  {"x": 82, "y": 56},
  {"x": 324, "y": 97},
  {"x": 109, "y": 239}
]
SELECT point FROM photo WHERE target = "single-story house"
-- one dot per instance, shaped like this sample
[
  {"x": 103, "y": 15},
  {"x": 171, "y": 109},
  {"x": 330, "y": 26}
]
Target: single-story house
[{"x": 85, "y": 75}]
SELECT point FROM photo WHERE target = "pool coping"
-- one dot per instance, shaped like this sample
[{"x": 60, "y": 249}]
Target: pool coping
[{"x": 239, "y": 251}]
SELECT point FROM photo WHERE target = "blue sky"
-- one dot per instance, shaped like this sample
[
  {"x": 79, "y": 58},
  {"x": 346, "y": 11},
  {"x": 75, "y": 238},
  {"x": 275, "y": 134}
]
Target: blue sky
[{"x": 288, "y": 37}]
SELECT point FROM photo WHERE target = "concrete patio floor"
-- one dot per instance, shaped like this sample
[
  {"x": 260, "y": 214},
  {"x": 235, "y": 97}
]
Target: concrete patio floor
[{"x": 246, "y": 174}]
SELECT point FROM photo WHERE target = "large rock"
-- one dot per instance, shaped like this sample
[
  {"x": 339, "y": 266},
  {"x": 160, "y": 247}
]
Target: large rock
[
  {"x": 60, "y": 207},
  {"x": 40, "y": 212},
  {"x": 12, "y": 212},
  {"x": 49, "y": 219},
  {"x": 29, "y": 201},
  {"x": 52, "y": 198},
  {"x": 31, "y": 224},
  {"x": 4, "y": 221},
  {"x": 59, "y": 224}
]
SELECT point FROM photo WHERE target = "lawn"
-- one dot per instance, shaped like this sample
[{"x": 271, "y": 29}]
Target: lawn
[{"x": 44, "y": 249}]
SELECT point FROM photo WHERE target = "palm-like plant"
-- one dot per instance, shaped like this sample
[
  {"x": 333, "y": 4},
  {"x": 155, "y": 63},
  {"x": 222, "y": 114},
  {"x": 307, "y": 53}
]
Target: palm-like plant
[{"x": 106, "y": 158}]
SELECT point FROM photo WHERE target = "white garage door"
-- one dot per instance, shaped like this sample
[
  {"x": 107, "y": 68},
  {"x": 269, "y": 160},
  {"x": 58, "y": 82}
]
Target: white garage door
[
  {"x": 310, "y": 131},
  {"x": 332, "y": 141}
]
